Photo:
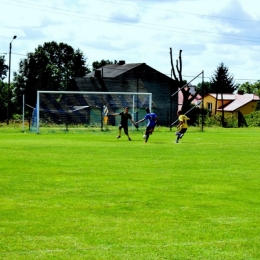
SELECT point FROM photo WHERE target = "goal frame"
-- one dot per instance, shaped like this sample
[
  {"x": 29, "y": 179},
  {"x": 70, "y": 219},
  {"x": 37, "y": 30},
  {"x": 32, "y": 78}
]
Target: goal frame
[{"x": 86, "y": 93}]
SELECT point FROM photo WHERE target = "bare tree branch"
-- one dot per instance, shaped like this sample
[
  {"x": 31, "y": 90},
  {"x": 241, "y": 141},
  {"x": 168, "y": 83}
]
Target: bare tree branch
[
  {"x": 180, "y": 71},
  {"x": 173, "y": 71},
  {"x": 187, "y": 96}
]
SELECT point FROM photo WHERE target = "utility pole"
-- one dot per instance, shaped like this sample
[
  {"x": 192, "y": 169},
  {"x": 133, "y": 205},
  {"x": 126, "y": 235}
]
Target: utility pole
[{"x": 8, "y": 90}]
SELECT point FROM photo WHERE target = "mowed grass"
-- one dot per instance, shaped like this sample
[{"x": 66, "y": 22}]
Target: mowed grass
[{"x": 87, "y": 195}]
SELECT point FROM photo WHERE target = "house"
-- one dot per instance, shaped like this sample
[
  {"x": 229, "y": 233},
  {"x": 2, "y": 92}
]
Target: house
[
  {"x": 232, "y": 103},
  {"x": 134, "y": 77}
]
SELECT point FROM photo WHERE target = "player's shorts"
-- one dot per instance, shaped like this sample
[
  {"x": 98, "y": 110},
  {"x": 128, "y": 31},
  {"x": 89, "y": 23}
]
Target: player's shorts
[
  {"x": 183, "y": 130},
  {"x": 149, "y": 129},
  {"x": 125, "y": 127}
]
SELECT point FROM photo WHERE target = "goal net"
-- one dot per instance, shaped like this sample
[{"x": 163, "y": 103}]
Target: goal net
[{"x": 75, "y": 108}]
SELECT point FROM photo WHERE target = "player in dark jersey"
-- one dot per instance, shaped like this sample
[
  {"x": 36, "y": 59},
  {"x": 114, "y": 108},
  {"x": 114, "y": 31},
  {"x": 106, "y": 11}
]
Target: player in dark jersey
[
  {"x": 152, "y": 121},
  {"x": 124, "y": 122}
]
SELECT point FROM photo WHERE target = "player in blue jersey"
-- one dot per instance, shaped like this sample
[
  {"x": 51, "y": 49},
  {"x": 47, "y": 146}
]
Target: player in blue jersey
[{"x": 152, "y": 121}]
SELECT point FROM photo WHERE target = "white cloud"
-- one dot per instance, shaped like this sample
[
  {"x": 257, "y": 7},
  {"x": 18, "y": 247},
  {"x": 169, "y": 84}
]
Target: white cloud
[{"x": 208, "y": 32}]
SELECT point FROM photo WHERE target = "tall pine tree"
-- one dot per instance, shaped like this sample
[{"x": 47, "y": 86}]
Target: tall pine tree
[{"x": 222, "y": 81}]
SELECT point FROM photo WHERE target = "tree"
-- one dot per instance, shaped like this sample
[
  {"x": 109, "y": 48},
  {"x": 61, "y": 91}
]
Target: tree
[
  {"x": 3, "y": 89},
  {"x": 250, "y": 88},
  {"x": 205, "y": 89},
  {"x": 3, "y": 100},
  {"x": 187, "y": 96},
  {"x": 222, "y": 81},
  {"x": 99, "y": 64},
  {"x": 51, "y": 67},
  {"x": 3, "y": 68}
]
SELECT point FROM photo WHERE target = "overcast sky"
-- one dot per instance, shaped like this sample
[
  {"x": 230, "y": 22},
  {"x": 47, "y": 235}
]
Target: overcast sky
[{"x": 207, "y": 31}]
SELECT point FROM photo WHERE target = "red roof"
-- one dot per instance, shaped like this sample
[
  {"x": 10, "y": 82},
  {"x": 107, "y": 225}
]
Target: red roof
[{"x": 238, "y": 100}]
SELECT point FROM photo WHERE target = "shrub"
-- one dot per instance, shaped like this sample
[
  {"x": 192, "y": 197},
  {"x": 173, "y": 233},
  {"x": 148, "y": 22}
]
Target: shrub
[{"x": 253, "y": 119}]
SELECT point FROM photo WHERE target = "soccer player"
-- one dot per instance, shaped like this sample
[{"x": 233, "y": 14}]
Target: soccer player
[
  {"x": 182, "y": 126},
  {"x": 124, "y": 122},
  {"x": 152, "y": 121}
]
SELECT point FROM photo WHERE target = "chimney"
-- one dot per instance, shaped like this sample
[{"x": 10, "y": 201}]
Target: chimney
[
  {"x": 121, "y": 62},
  {"x": 97, "y": 73},
  {"x": 240, "y": 92}
]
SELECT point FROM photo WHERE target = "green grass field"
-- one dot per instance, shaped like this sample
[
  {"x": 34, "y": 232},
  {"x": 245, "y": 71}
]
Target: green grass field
[{"x": 87, "y": 195}]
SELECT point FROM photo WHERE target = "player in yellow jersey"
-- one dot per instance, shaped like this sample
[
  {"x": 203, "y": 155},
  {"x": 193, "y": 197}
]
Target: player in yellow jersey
[{"x": 182, "y": 126}]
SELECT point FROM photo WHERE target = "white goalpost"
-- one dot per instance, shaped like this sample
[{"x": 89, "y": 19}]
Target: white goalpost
[{"x": 86, "y": 107}]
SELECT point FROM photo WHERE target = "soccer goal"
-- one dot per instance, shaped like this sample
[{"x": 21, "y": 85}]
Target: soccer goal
[{"x": 67, "y": 108}]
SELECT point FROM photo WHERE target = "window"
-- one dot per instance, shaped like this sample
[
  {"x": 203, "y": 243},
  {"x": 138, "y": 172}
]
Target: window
[{"x": 209, "y": 105}]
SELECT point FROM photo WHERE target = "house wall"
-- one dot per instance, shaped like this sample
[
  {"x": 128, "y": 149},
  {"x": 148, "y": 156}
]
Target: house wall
[
  {"x": 225, "y": 102},
  {"x": 166, "y": 107},
  {"x": 212, "y": 100},
  {"x": 96, "y": 117},
  {"x": 161, "y": 87},
  {"x": 248, "y": 108}
]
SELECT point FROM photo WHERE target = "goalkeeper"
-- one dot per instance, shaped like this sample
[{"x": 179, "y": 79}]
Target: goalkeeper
[
  {"x": 182, "y": 126},
  {"x": 124, "y": 122}
]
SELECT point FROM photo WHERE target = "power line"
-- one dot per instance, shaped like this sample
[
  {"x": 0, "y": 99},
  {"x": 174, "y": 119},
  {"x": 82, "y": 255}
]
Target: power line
[
  {"x": 147, "y": 7},
  {"x": 147, "y": 25},
  {"x": 19, "y": 54},
  {"x": 81, "y": 15},
  {"x": 205, "y": 77},
  {"x": 169, "y": 75},
  {"x": 172, "y": 11}
]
